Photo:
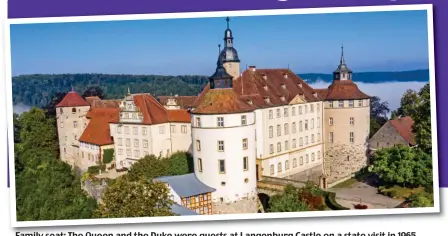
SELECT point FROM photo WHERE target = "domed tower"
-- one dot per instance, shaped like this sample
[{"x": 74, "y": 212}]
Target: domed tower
[
  {"x": 223, "y": 136},
  {"x": 346, "y": 123},
  {"x": 229, "y": 55}
]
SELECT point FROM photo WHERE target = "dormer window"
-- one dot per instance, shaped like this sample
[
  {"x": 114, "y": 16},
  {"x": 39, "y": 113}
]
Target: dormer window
[
  {"x": 300, "y": 85},
  {"x": 283, "y": 86},
  {"x": 282, "y": 98},
  {"x": 249, "y": 102},
  {"x": 73, "y": 110},
  {"x": 315, "y": 94},
  {"x": 265, "y": 77},
  {"x": 267, "y": 100},
  {"x": 285, "y": 75},
  {"x": 265, "y": 87}
]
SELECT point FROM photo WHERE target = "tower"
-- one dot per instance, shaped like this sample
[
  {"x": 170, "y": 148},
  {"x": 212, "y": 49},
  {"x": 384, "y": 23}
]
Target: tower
[
  {"x": 220, "y": 79},
  {"x": 229, "y": 55},
  {"x": 342, "y": 72}
]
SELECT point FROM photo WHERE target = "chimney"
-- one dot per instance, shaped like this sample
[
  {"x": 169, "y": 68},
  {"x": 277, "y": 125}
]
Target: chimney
[{"x": 252, "y": 68}]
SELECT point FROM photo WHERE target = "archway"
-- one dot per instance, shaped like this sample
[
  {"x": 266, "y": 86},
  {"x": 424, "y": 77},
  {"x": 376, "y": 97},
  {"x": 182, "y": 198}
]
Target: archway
[{"x": 264, "y": 199}]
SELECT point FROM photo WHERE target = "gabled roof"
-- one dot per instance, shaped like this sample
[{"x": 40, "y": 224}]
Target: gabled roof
[
  {"x": 404, "y": 126},
  {"x": 186, "y": 185},
  {"x": 96, "y": 102},
  {"x": 181, "y": 210},
  {"x": 97, "y": 131},
  {"x": 72, "y": 99}
]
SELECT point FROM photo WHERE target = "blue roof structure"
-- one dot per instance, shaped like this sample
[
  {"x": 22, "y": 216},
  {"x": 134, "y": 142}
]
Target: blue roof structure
[
  {"x": 186, "y": 185},
  {"x": 181, "y": 210}
]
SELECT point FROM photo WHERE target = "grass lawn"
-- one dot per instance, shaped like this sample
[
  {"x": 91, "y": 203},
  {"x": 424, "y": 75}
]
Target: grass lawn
[
  {"x": 349, "y": 182},
  {"x": 398, "y": 192}
]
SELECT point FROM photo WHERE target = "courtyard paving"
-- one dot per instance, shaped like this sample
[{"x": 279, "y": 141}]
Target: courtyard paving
[{"x": 364, "y": 192}]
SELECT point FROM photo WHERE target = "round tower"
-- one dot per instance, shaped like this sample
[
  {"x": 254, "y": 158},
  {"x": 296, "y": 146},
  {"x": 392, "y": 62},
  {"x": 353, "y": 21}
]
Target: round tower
[
  {"x": 231, "y": 61},
  {"x": 223, "y": 136},
  {"x": 347, "y": 125}
]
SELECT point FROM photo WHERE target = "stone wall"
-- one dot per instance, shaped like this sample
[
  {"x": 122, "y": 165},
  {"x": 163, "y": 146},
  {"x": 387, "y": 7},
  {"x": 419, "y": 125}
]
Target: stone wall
[
  {"x": 386, "y": 136},
  {"x": 250, "y": 205},
  {"x": 344, "y": 160}
]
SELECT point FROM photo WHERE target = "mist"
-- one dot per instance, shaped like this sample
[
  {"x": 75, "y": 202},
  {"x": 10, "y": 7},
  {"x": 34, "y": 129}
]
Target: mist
[{"x": 20, "y": 108}]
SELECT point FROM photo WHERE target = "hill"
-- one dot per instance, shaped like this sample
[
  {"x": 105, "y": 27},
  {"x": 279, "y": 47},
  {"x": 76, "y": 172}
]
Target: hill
[{"x": 39, "y": 89}]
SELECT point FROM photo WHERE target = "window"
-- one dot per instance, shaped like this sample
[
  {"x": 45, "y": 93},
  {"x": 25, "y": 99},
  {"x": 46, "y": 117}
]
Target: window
[
  {"x": 144, "y": 131},
  {"x": 245, "y": 163},
  {"x": 294, "y": 163},
  {"x": 183, "y": 129},
  {"x": 318, "y": 122},
  {"x": 318, "y": 137},
  {"x": 312, "y": 157},
  {"x": 351, "y": 103},
  {"x": 271, "y": 114},
  {"x": 301, "y": 142},
  {"x": 312, "y": 138},
  {"x": 145, "y": 143},
  {"x": 300, "y": 110},
  {"x": 330, "y": 121},
  {"x": 136, "y": 144},
  {"x": 243, "y": 120},
  {"x": 75, "y": 124},
  {"x": 286, "y": 165},
  {"x": 306, "y": 109},
  {"x": 271, "y": 131},
  {"x": 294, "y": 143},
  {"x": 300, "y": 126},
  {"x": 120, "y": 151},
  {"x": 318, "y": 107},
  {"x": 286, "y": 145},
  {"x": 200, "y": 164},
  {"x": 293, "y": 111},
  {"x": 293, "y": 127},
  {"x": 278, "y": 113},
  {"x": 341, "y": 103},
  {"x": 222, "y": 166},
  {"x": 137, "y": 153},
  {"x": 128, "y": 142},
  {"x": 126, "y": 129},
  {"x": 272, "y": 169},
  {"x": 306, "y": 124},
  {"x": 286, "y": 129},
  {"x": 312, "y": 123},
  {"x": 279, "y": 167},
  {"x": 311, "y": 108},
  {"x": 221, "y": 146},
  {"x": 120, "y": 142},
  {"x": 128, "y": 152},
  {"x": 359, "y": 103},
  {"x": 330, "y": 138},
  {"x": 135, "y": 129},
  {"x": 245, "y": 143},
  {"x": 118, "y": 130},
  {"x": 73, "y": 110},
  {"x": 318, "y": 155},
  {"x": 220, "y": 121},
  {"x": 307, "y": 158},
  {"x": 352, "y": 120},
  {"x": 173, "y": 128},
  {"x": 198, "y": 145},
  {"x": 161, "y": 129},
  {"x": 279, "y": 147},
  {"x": 271, "y": 148},
  {"x": 198, "y": 122},
  {"x": 306, "y": 140},
  {"x": 285, "y": 112},
  {"x": 352, "y": 137},
  {"x": 301, "y": 160},
  {"x": 61, "y": 110},
  {"x": 279, "y": 130}
]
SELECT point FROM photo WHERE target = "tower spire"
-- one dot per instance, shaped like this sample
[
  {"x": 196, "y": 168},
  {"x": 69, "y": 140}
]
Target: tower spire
[
  {"x": 342, "y": 54},
  {"x": 219, "y": 49},
  {"x": 73, "y": 89},
  {"x": 129, "y": 91},
  {"x": 227, "y": 19}
]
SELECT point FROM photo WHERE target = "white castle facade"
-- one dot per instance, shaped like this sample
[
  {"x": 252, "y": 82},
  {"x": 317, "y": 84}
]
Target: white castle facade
[{"x": 241, "y": 128}]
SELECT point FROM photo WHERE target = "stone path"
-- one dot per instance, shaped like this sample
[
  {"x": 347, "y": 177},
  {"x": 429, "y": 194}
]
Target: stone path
[{"x": 366, "y": 193}]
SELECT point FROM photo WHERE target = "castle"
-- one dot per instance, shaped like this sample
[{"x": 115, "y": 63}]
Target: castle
[{"x": 243, "y": 126}]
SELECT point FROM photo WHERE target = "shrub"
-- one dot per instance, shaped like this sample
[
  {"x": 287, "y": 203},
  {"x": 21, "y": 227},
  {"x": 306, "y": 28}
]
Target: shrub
[
  {"x": 108, "y": 156},
  {"x": 330, "y": 201},
  {"x": 96, "y": 169}
]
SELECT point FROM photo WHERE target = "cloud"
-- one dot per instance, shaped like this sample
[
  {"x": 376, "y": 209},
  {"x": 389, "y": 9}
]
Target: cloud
[{"x": 390, "y": 92}]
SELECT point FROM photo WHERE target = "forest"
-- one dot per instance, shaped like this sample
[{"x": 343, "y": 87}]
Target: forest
[{"x": 37, "y": 90}]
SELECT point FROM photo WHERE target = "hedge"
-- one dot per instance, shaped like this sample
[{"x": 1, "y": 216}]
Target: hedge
[
  {"x": 96, "y": 169},
  {"x": 330, "y": 201}
]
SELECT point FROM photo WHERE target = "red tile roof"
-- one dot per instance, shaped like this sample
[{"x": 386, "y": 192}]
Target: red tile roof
[
  {"x": 182, "y": 101},
  {"x": 97, "y": 131},
  {"x": 258, "y": 88},
  {"x": 221, "y": 101},
  {"x": 404, "y": 127},
  {"x": 342, "y": 90},
  {"x": 72, "y": 99},
  {"x": 96, "y": 102}
]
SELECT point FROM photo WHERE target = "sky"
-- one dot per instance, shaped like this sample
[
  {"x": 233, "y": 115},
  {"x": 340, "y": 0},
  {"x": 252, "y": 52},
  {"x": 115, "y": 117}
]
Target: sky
[{"x": 310, "y": 43}]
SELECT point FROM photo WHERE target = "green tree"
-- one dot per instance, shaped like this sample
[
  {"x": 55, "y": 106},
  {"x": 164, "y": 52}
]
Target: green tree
[
  {"x": 46, "y": 189},
  {"x": 421, "y": 199},
  {"x": 378, "y": 114},
  {"x": 407, "y": 104},
  {"x": 287, "y": 201},
  {"x": 404, "y": 166},
  {"x": 422, "y": 119},
  {"x": 135, "y": 198},
  {"x": 37, "y": 131},
  {"x": 108, "y": 155},
  {"x": 94, "y": 91}
]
